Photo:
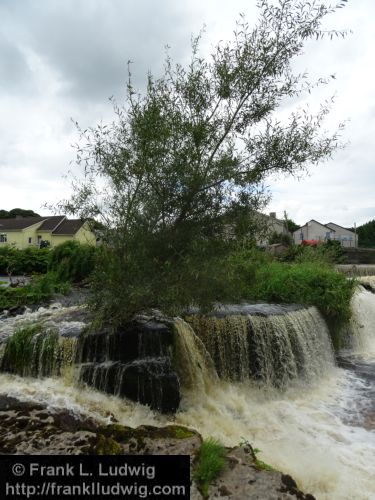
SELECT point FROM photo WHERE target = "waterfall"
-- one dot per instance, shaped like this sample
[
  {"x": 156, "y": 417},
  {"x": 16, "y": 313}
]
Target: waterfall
[
  {"x": 354, "y": 270},
  {"x": 132, "y": 361},
  {"x": 275, "y": 349},
  {"x": 193, "y": 363},
  {"x": 362, "y": 324}
]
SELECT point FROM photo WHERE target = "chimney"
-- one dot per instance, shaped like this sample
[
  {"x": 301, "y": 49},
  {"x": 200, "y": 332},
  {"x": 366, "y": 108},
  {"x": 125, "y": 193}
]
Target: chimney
[{"x": 273, "y": 215}]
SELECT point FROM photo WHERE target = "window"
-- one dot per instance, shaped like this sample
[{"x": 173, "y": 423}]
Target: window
[
  {"x": 3, "y": 238},
  {"x": 30, "y": 240}
]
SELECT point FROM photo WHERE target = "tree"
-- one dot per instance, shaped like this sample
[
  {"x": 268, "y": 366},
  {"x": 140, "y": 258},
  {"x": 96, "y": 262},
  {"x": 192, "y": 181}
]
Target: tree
[
  {"x": 290, "y": 224},
  {"x": 12, "y": 214},
  {"x": 182, "y": 167},
  {"x": 366, "y": 234}
]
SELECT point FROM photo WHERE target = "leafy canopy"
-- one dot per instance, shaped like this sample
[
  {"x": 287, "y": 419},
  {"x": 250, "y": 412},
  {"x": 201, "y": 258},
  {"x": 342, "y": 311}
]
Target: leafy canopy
[
  {"x": 366, "y": 234},
  {"x": 182, "y": 168}
]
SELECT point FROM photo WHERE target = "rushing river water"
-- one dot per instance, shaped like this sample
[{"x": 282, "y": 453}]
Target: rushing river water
[{"x": 321, "y": 430}]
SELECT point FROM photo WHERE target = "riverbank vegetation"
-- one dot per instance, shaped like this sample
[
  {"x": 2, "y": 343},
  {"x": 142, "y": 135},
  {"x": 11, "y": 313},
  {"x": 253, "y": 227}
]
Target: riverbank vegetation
[
  {"x": 49, "y": 272},
  {"x": 308, "y": 283}
]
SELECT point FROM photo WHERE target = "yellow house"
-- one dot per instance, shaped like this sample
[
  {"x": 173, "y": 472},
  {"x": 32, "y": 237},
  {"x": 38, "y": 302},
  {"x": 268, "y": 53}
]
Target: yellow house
[{"x": 24, "y": 232}]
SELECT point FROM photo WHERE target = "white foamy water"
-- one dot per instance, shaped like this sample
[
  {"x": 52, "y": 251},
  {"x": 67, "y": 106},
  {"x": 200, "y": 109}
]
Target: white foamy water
[
  {"x": 51, "y": 317},
  {"x": 313, "y": 430},
  {"x": 301, "y": 432},
  {"x": 363, "y": 322}
]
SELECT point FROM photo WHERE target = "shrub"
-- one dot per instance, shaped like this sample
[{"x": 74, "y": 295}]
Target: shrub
[
  {"x": 28, "y": 261},
  {"x": 309, "y": 283},
  {"x": 72, "y": 261},
  {"x": 330, "y": 252}
]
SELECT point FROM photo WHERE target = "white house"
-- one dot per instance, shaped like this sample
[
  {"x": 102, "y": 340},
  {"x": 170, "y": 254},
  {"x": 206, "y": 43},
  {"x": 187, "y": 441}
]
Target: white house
[
  {"x": 314, "y": 230},
  {"x": 345, "y": 236}
]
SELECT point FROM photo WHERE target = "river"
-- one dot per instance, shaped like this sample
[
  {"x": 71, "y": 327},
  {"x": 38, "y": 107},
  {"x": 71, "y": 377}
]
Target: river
[{"x": 321, "y": 430}]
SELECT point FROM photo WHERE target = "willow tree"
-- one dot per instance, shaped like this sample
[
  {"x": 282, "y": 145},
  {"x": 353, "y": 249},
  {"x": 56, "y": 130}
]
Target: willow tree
[{"x": 177, "y": 175}]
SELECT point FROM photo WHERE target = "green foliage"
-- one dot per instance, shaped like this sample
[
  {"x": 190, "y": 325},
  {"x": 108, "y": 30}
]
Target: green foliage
[
  {"x": 309, "y": 283},
  {"x": 31, "y": 351},
  {"x": 366, "y": 235},
  {"x": 4, "y": 214},
  {"x": 122, "y": 286},
  {"x": 291, "y": 225},
  {"x": 39, "y": 290},
  {"x": 330, "y": 252},
  {"x": 28, "y": 261},
  {"x": 19, "y": 350},
  {"x": 182, "y": 167},
  {"x": 284, "y": 239},
  {"x": 211, "y": 461},
  {"x": 72, "y": 261}
]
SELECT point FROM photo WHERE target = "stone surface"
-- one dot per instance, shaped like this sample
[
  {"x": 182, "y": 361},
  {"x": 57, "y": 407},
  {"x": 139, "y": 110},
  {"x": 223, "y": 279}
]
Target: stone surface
[
  {"x": 244, "y": 478},
  {"x": 134, "y": 361}
]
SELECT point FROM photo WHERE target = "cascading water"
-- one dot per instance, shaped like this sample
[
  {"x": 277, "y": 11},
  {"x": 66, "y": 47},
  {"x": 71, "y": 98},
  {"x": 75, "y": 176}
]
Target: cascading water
[
  {"x": 357, "y": 269},
  {"x": 319, "y": 427},
  {"x": 194, "y": 364},
  {"x": 273, "y": 346}
]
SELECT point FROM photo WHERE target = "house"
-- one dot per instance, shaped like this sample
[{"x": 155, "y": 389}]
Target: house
[
  {"x": 315, "y": 231},
  {"x": 24, "y": 232},
  {"x": 269, "y": 224},
  {"x": 347, "y": 237}
]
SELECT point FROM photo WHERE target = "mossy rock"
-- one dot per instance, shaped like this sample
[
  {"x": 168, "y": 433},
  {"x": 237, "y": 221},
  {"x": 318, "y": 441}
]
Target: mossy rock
[
  {"x": 123, "y": 433},
  {"x": 107, "y": 446}
]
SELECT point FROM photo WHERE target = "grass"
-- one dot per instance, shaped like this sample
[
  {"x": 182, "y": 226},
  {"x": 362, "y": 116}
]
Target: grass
[
  {"x": 211, "y": 461},
  {"x": 313, "y": 282},
  {"x": 31, "y": 351},
  {"x": 18, "y": 355}
]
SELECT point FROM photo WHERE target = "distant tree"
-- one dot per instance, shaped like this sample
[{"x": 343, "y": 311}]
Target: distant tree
[
  {"x": 182, "y": 167},
  {"x": 290, "y": 225},
  {"x": 4, "y": 214},
  {"x": 21, "y": 212},
  {"x": 366, "y": 235}
]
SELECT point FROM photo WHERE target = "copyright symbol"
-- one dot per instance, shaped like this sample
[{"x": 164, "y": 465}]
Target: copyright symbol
[{"x": 18, "y": 470}]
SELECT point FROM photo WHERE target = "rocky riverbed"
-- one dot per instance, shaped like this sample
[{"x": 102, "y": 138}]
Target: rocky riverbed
[{"x": 34, "y": 429}]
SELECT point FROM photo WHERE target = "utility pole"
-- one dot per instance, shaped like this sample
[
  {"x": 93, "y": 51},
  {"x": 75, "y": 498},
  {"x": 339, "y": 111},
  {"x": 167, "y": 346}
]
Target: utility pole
[{"x": 355, "y": 235}]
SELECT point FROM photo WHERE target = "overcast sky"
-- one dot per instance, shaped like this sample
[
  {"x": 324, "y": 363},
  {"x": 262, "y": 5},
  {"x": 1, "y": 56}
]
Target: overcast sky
[{"x": 63, "y": 59}]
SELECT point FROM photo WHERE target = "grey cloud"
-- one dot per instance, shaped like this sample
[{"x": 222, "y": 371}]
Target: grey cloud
[
  {"x": 89, "y": 43},
  {"x": 15, "y": 75}
]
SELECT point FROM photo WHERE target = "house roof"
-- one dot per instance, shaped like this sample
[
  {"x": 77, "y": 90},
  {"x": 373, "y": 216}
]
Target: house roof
[
  {"x": 57, "y": 224},
  {"x": 69, "y": 226},
  {"x": 51, "y": 223},
  {"x": 19, "y": 223},
  {"x": 320, "y": 224},
  {"x": 341, "y": 227}
]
